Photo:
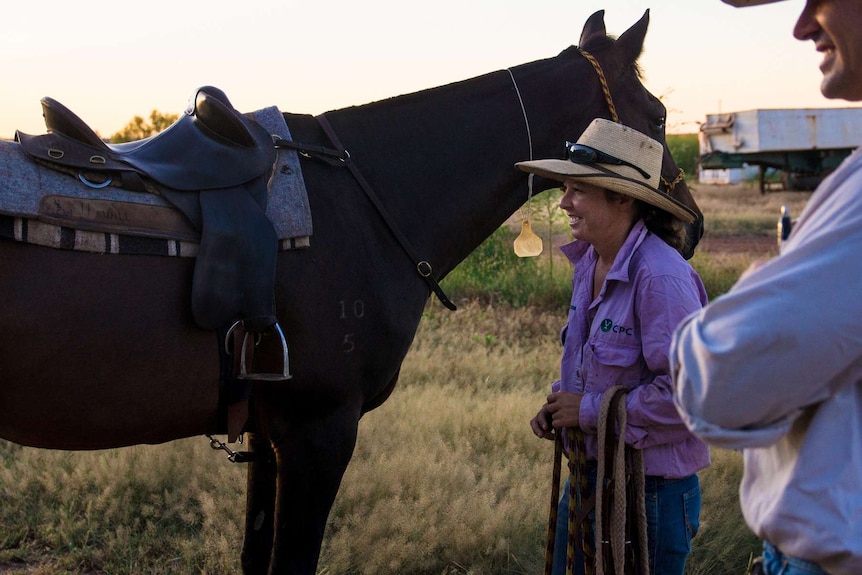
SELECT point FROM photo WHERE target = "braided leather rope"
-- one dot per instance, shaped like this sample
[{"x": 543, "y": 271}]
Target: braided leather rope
[{"x": 616, "y": 118}]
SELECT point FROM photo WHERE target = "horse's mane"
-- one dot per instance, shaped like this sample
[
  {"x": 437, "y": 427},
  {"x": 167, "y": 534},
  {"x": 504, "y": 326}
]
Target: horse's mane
[{"x": 601, "y": 44}]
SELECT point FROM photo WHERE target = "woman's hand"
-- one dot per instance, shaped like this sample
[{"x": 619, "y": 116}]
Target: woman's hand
[
  {"x": 541, "y": 424},
  {"x": 561, "y": 410},
  {"x": 564, "y": 408}
]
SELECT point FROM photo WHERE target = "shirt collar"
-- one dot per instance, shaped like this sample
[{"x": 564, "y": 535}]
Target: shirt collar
[{"x": 580, "y": 252}]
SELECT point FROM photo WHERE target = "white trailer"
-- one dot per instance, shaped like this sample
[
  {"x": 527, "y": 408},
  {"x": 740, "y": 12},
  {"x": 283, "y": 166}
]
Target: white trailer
[{"x": 804, "y": 144}]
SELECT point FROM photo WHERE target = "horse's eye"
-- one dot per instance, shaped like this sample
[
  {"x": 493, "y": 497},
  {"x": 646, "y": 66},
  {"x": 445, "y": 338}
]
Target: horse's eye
[{"x": 659, "y": 124}]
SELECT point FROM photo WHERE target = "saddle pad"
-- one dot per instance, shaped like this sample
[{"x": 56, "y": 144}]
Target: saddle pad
[{"x": 70, "y": 214}]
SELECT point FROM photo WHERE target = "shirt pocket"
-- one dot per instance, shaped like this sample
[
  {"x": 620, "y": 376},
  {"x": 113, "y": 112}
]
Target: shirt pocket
[{"x": 614, "y": 365}]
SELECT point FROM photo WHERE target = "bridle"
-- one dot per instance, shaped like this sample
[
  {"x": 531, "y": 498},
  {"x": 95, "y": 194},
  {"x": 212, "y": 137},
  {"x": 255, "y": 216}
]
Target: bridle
[
  {"x": 603, "y": 81},
  {"x": 669, "y": 185}
]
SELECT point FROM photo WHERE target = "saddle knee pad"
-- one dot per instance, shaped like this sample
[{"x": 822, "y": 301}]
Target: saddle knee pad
[{"x": 234, "y": 275}]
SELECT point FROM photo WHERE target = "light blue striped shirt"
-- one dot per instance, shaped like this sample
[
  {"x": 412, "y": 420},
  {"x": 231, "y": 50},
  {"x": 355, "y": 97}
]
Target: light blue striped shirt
[{"x": 774, "y": 367}]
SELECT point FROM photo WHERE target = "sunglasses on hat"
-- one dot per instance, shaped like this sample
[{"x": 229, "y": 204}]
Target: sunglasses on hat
[{"x": 582, "y": 154}]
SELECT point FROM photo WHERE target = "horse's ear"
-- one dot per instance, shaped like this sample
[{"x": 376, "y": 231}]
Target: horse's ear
[
  {"x": 594, "y": 30},
  {"x": 631, "y": 43}
]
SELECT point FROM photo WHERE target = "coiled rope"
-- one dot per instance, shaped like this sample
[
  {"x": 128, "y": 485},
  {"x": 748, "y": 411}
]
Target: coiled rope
[{"x": 622, "y": 468}]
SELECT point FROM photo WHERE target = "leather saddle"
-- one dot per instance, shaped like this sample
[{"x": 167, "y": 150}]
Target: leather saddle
[{"x": 213, "y": 165}]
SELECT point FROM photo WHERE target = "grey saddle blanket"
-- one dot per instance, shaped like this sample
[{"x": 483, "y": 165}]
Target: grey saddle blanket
[{"x": 29, "y": 190}]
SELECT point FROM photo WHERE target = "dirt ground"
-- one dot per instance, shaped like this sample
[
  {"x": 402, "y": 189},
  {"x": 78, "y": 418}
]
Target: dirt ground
[
  {"x": 744, "y": 201},
  {"x": 756, "y": 245}
]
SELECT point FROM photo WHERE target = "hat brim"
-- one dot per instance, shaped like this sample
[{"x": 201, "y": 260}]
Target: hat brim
[
  {"x": 560, "y": 170},
  {"x": 745, "y": 3}
]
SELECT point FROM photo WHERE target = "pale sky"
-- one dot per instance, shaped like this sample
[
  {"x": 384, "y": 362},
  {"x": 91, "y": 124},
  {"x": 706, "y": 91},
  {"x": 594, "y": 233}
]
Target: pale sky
[{"x": 109, "y": 60}]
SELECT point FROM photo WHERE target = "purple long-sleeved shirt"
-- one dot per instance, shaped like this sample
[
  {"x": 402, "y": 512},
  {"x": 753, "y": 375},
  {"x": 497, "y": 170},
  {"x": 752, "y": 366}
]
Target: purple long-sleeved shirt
[{"x": 623, "y": 338}]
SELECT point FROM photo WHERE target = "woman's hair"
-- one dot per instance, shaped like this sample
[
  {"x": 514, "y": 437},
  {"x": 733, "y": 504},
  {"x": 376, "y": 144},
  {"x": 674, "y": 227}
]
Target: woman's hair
[{"x": 661, "y": 223}]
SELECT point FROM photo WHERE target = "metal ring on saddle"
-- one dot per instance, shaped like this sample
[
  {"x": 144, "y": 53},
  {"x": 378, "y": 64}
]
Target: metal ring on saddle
[{"x": 94, "y": 185}]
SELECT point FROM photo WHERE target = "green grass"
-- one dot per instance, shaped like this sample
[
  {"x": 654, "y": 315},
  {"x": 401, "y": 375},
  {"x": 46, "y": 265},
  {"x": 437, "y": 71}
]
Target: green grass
[
  {"x": 494, "y": 274},
  {"x": 446, "y": 478}
]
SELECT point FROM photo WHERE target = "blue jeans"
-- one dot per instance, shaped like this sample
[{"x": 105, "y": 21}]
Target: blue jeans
[
  {"x": 673, "y": 518},
  {"x": 777, "y": 563}
]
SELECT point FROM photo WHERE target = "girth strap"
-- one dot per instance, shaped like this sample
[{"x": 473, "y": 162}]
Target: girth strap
[
  {"x": 423, "y": 267},
  {"x": 311, "y": 150}
]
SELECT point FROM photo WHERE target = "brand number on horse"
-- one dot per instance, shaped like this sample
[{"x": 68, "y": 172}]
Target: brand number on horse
[{"x": 356, "y": 310}]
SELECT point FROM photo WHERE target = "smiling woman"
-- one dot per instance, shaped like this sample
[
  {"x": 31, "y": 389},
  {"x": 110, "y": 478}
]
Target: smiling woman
[{"x": 631, "y": 287}]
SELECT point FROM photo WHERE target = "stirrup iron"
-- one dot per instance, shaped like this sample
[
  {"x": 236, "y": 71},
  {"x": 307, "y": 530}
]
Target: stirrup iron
[{"x": 244, "y": 372}]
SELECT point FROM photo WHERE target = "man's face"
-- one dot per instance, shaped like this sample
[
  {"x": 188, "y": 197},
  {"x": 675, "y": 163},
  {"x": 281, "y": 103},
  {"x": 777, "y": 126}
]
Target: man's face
[{"x": 835, "y": 27}]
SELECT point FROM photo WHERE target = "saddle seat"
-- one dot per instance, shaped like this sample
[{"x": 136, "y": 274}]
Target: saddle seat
[
  {"x": 213, "y": 165},
  {"x": 210, "y": 146}
]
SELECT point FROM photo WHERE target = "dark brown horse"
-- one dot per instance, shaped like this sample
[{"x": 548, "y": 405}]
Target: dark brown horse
[{"x": 100, "y": 351}]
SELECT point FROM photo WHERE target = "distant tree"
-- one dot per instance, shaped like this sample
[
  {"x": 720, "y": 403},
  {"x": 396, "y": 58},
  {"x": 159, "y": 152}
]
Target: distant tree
[
  {"x": 685, "y": 150},
  {"x": 139, "y": 128}
]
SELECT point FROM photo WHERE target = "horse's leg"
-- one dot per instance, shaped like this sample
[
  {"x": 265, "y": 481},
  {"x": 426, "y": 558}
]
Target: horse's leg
[
  {"x": 260, "y": 507},
  {"x": 312, "y": 456}
]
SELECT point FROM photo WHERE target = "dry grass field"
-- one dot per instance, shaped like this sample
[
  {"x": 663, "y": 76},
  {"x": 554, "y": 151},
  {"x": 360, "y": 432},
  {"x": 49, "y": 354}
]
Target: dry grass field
[{"x": 446, "y": 479}]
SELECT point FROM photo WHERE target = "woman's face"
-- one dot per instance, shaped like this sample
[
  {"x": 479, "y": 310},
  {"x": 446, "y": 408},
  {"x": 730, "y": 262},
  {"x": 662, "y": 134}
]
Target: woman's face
[{"x": 592, "y": 217}]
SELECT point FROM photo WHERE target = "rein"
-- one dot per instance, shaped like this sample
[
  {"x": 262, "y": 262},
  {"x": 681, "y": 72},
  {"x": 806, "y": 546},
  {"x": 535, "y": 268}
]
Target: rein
[
  {"x": 669, "y": 185},
  {"x": 620, "y": 513},
  {"x": 423, "y": 267},
  {"x": 339, "y": 156}
]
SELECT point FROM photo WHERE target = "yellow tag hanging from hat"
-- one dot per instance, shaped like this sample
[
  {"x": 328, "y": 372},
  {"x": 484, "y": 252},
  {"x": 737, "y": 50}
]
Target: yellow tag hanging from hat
[{"x": 528, "y": 244}]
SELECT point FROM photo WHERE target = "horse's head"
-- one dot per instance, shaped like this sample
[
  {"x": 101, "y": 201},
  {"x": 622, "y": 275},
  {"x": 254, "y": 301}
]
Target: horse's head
[
  {"x": 601, "y": 76},
  {"x": 632, "y": 104}
]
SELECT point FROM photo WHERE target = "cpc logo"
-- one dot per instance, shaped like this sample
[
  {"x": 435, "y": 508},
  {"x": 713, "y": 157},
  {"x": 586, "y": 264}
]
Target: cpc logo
[{"x": 608, "y": 325}]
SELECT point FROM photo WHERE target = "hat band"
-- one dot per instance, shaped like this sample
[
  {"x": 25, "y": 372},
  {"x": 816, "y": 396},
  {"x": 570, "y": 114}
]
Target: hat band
[{"x": 606, "y": 173}]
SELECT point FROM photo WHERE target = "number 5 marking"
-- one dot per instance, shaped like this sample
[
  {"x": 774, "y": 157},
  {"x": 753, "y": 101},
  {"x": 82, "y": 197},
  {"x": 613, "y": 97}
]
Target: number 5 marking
[{"x": 348, "y": 344}]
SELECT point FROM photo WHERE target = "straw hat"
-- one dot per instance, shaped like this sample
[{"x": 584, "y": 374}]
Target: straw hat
[
  {"x": 617, "y": 158},
  {"x": 744, "y": 3}
]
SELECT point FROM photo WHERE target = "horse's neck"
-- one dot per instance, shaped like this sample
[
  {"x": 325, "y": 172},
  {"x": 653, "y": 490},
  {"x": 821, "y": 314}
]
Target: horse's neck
[{"x": 442, "y": 160}]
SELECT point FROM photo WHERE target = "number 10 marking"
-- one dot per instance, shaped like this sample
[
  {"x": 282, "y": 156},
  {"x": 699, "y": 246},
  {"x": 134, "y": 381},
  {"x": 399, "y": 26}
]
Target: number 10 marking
[{"x": 358, "y": 309}]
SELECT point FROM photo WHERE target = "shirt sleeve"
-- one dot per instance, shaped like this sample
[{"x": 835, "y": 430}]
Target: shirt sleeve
[
  {"x": 664, "y": 301},
  {"x": 781, "y": 340}
]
